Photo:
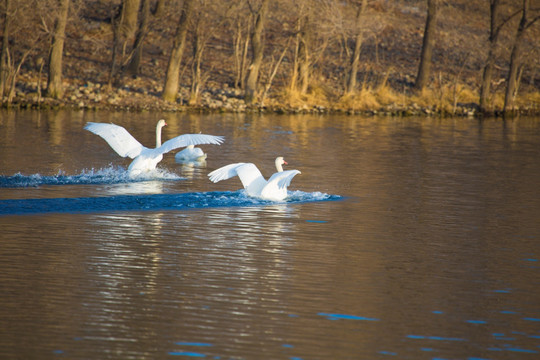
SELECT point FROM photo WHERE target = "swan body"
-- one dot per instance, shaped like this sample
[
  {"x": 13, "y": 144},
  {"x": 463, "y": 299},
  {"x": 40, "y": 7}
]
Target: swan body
[
  {"x": 190, "y": 153},
  {"x": 254, "y": 183},
  {"x": 145, "y": 159}
]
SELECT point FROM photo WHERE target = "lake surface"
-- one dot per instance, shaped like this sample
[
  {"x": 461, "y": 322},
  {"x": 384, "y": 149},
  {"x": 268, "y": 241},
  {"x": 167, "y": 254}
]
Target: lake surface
[{"x": 402, "y": 238}]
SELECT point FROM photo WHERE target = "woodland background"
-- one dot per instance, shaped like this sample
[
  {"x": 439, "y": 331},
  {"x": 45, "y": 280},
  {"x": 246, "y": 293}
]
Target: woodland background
[{"x": 376, "y": 56}]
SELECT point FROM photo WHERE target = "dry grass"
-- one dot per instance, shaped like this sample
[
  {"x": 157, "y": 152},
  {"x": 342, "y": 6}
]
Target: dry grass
[
  {"x": 445, "y": 96},
  {"x": 361, "y": 100},
  {"x": 529, "y": 100},
  {"x": 368, "y": 98},
  {"x": 318, "y": 94}
]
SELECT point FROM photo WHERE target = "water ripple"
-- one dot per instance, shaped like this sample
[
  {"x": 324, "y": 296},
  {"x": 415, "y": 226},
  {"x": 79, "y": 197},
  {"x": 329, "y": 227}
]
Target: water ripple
[{"x": 153, "y": 202}]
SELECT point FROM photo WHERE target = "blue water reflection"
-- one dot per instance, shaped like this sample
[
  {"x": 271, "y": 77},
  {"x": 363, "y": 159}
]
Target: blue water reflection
[{"x": 152, "y": 202}]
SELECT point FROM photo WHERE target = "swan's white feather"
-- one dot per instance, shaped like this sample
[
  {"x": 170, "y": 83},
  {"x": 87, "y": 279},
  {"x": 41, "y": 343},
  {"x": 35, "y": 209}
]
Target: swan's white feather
[
  {"x": 227, "y": 172},
  {"x": 249, "y": 175},
  {"x": 253, "y": 181},
  {"x": 283, "y": 179},
  {"x": 118, "y": 138},
  {"x": 188, "y": 139}
]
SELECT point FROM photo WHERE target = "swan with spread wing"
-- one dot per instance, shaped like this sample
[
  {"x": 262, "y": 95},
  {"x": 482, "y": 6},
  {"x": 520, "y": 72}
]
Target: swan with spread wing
[
  {"x": 254, "y": 183},
  {"x": 145, "y": 159}
]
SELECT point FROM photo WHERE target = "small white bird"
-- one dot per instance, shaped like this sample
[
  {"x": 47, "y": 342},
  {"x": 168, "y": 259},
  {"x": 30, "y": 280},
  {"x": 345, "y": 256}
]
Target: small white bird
[
  {"x": 146, "y": 159},
  {"x": 254, "y": 183},
  {"x": 190, "y": 154}
]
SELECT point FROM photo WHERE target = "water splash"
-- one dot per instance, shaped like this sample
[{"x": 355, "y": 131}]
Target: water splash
[
  {"x": 153, "y": 202},
  {"x": 110, "y": 175}
]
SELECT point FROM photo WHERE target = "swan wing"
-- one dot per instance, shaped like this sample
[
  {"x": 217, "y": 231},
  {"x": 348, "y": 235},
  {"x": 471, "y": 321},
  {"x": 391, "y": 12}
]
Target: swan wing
[
  {"x": 226, "y": 172},
  {"x": 249, "y": 175},
  {"x": 276, "y": 188},
  {"x": 118, "y": 138},
  {"x": 188, "y": 139},
  {"x": 282, "y": 179}
]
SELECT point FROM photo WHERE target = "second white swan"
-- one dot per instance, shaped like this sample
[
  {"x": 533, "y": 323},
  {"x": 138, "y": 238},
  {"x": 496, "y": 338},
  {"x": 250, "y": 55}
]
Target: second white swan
[
  {"x": 190, "y": 154},
  {"x": 254, "y": 183}
]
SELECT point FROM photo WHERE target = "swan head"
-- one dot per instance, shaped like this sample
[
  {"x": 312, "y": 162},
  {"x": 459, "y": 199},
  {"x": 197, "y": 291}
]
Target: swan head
[
  {"x": 161, "y": 123},
  {"x": 279, "y": 162}
]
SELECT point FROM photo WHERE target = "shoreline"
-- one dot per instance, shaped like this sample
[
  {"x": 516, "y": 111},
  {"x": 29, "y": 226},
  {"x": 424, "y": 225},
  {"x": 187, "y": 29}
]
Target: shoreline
[{"x": 225, "y": 100}]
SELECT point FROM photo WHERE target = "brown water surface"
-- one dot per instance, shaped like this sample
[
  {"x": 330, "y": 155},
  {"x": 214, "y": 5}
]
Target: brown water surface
[{"x": 409, "y": 238}]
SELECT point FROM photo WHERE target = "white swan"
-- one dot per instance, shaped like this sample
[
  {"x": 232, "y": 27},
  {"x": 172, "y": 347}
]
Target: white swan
[
  {"x": 145, "y": 159},
  {"x": 254, "y": 183},
  {"x": 190, "y": 154}
]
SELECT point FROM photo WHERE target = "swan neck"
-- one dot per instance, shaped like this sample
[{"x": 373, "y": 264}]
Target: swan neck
[
  {"x": 279, "y": 167},
  {"x": 158, "y": 136}
]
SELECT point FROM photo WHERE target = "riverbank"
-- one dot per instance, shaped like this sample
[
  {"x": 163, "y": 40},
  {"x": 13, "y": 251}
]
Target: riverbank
[{"x": 144, "y": 95}]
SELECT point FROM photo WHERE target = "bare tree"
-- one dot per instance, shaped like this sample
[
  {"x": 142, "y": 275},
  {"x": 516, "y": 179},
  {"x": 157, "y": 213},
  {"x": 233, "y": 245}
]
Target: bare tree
[
  {"x": 305, "y": 38},
  {"x": 495, "y": 27},
  {"x": 257, "y": 52},
  {"x": 515, "y": 58},
  {"x": 134, "y": 66},
  {"x": 424, "y": 69},
  {"x": 302, "y": 53},
  {"x": 208, "y": 17},
  {"x": 494, "y": 31},
  {"x": 124, "y": 29},
  {"x": 197, "y": 81},
  {"x": 55, "y": 88},
  {"x": 24, "y": 29},
  {"x": 5, "y": 47},
  {"x": 240, "y": 26},
  {"x": 312, "y": 33},
  {"x": 241, "y": 49},
  {"x": 170, "y": 89},
  {"x": 355, "y": 56}
]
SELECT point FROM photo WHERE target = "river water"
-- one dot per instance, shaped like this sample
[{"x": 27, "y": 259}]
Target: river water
[{"x": 405, "y": 238}]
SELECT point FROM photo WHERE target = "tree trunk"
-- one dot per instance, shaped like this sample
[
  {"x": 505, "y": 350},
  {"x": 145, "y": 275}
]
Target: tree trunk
[
  {"x": 294, "y": 74},
  {"x": 355, "y": 58},
  {"x": 161, "y": 7},
  {"x": 196, "y": 78},
  {"x": 129, "y": 19},
  {"x": 424, "y": 69},
  {"x": 170, "y": 89},
  {"x": 257, "y": 54},
  {"x": 487, "y": 75},
  {"x": 54, "y": 85},
  {"x": 304, "y": 61},
  {"x": 123, "y": 29},
  {"x": 134, "y": 66},
  {"x": 5, "y": 50},
  {"x": 302, "y": 57},
  {"x": 244, "y": 62},
  {"x": 515, "y": 59},
  {"x": 241, "y": 49}
]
